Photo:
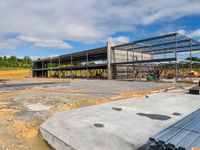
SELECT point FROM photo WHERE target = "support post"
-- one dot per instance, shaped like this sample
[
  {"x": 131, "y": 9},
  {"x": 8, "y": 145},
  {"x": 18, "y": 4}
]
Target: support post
[
  {"x": 176, "y": 71},
  {"x": 50, "y": 67},
  {"x": 190, "y": 59},
  {"x": 71, "y": 65},
  {"x": 141, "y": 55},
  {"x": 133, "y": 64},
  {"x": 59, "y": 67},
  {"x": 33, "y": 67},
  {"x": 109, "y": 60},
  {"x": 127, "y": 65},
  {"x": 151, "y": 53},
  {"x": 182, "y": 71},
  {"x": 42, "y": 69},
  {"x": 87, "y": 64}
]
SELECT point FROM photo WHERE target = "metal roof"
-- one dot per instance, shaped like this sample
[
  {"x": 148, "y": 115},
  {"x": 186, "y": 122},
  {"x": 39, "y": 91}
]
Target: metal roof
[{"x": 184, "y": 134}]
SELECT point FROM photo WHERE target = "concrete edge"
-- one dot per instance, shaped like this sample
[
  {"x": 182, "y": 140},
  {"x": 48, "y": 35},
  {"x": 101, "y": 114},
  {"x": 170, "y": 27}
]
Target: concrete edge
[{"x": 54, "y": 141}]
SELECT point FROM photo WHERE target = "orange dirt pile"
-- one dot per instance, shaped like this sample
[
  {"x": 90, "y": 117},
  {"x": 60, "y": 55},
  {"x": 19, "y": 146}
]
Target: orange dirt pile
[
  {"x": 14, "y": 74},
  {"x": 28, "y": 131}
]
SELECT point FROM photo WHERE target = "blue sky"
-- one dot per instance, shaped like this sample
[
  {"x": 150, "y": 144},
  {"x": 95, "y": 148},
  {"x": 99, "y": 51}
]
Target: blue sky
[{"x": 49, "y": 28}]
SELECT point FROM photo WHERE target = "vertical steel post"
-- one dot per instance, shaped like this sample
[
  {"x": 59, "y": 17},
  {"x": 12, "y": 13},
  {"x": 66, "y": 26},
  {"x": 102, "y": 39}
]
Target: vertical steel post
[
  {"x": 182, "y": 71},
  {"x": 50, "y": 67},
  {"x": 191, "y": 59},
  {"x": 32, "y": 69},
  {"x": 141, "y": 55},
  {"x": 59, "y": 67},
  {"x": 127, "y": 64},
  {"x": 42, "y": 69},
  {"x": 87, "y": 64},
  {"x": 151, "y": 54},
  {"x": 176, "y": 60},
  {"x": 133, "y": 63},
  {"x": 71, "y": 65}
]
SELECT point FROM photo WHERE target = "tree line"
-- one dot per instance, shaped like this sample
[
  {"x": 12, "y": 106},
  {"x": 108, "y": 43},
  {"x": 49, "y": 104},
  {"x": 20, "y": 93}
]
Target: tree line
[
  {"x": 194, "y": 58},
  {"x": 15, "y": 62}
]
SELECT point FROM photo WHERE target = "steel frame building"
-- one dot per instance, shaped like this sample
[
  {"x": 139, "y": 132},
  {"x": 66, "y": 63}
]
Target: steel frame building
[
  {"x": 68, "y": 65},
  {"x": 131, "y": 60}
]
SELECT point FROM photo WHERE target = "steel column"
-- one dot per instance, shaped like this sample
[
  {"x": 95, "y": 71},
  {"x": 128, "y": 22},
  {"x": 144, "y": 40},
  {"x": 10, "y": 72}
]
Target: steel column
[
  {"x": 71, "y": 65},
  {"x": 87, "y": 64},
  {"x": 191, "y": 60},
  {"x": 59, "y": 68},
  {"x": 50, "y": 67},
  {"x": 42, "y": 69},
  {"x": 176, "y": 60}
]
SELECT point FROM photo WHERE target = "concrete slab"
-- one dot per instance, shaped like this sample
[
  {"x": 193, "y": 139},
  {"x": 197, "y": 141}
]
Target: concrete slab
[
  {"x": 125, "y": 124},
  {"x": 38, "y": 107}
]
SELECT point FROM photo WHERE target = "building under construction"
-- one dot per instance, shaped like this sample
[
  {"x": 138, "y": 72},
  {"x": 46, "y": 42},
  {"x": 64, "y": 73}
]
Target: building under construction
[{"x": 168, "y": 56}]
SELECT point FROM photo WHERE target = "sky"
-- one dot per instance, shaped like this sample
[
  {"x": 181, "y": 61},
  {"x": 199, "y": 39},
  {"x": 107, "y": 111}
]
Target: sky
[{"x": 46, "y": 28}]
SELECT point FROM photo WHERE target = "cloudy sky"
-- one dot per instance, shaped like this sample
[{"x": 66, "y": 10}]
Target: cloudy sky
[{"x": 41, "y": 28}]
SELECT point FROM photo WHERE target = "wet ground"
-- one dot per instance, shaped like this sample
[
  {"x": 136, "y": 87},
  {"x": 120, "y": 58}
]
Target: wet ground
[
  {"x": 155, "y": 116},
  {"x": 26, "y": 103}
]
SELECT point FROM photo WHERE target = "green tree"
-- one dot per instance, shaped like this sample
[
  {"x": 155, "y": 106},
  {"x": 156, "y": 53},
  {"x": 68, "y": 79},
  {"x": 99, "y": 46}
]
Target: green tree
[{"x": 15, "y": 62}]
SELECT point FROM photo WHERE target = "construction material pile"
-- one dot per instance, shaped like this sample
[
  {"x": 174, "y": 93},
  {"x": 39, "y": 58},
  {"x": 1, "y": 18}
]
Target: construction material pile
[
  {"x": 195, "y": 89},
  {"x": 183, "y": 135}
]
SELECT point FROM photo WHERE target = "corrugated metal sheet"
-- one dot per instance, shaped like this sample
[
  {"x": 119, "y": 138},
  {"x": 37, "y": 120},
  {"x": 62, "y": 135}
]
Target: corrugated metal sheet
[{"x": 184, "y": 134}]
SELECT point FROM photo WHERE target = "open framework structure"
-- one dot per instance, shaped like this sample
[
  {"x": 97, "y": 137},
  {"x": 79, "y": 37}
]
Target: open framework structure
[{"x": 170, "y": 55}]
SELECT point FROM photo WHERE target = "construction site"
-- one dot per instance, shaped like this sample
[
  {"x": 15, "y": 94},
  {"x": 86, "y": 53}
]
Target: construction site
[
  {"x": 159, "y": 58},
  {"x": 143, "y": 95}
]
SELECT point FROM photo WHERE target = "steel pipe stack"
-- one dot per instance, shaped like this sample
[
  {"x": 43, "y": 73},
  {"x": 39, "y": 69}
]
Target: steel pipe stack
[{"x": 183, "y": 135}]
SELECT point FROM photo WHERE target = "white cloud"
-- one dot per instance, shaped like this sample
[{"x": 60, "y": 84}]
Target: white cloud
[
  {"x": 48, "y": 43},
  {"x": 54, "y": 55},
  {"x": 8, "y": 43},
  {"x": 119, "y": 39},
  {"x": 35, "y": 57},
  {"x": 195, "y": 34},
  {"x": 192, "y": 34},
  {"x": 48, "y": 23},
  {"x": 181, "y": 31}
]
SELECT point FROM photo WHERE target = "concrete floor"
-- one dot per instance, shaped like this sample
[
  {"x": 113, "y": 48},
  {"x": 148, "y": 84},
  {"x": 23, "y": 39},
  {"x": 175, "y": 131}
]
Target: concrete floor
[{"x": 125, "y": 124}]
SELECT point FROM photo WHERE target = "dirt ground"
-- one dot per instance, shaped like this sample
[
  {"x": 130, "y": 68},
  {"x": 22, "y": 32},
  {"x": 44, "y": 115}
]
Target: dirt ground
[
  {"x": 25, "y": 105},
  {"x": 13, "y": 74}
]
